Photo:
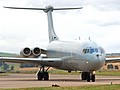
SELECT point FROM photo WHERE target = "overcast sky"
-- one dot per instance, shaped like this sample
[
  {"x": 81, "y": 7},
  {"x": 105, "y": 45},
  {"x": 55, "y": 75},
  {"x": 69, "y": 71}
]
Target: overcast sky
[{"x": 99, "y": 20}]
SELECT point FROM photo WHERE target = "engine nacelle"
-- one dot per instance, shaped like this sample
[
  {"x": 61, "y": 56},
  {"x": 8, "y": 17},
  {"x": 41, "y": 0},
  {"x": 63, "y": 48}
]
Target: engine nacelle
[
  {"x": 26, "y": 52},
  {"x": 36, "y": 52}
]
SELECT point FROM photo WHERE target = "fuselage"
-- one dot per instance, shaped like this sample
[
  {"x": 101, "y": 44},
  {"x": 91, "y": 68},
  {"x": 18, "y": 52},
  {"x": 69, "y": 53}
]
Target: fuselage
[{"x": 77, "y": 55}]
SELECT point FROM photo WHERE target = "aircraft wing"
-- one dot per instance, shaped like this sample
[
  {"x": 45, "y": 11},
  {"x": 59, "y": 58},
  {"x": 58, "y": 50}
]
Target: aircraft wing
[
  {"x": 38, "y": 61},
  {"x": 112, "y": 60}
]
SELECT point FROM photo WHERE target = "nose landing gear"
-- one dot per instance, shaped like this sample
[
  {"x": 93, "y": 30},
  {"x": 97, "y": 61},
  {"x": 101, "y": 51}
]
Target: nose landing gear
[{"x": 88, "y": 76}]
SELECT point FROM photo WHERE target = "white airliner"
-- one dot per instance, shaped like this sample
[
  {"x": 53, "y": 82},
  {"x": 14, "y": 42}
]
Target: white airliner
[{"x": 85, "y": 56}]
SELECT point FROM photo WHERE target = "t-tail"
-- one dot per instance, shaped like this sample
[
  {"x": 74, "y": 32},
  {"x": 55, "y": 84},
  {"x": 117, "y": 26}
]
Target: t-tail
[
  {"x": 52, "y": 34},
  {"x": 48, "y": 9}
]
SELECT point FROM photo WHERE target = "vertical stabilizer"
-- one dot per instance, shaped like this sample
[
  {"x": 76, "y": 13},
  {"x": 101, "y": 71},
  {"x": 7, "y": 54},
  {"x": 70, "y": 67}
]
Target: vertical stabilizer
[{"x": 51, "y": 32}]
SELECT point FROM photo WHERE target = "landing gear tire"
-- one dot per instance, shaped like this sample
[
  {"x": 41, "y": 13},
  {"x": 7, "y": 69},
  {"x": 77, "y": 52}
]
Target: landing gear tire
[
  {"x": 42, "y": 74},
  {"x": 93, "y": 78},
  {"x": 84, "y": 75},
  {"x": 88, "y": 77},
  {"x": 46, "y": 76}
]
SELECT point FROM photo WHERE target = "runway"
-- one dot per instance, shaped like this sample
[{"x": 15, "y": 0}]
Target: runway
[{"x": 29, "y": 80}]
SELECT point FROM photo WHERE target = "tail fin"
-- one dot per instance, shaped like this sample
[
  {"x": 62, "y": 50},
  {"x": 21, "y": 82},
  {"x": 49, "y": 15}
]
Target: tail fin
[{"x": 52, "y": 34}]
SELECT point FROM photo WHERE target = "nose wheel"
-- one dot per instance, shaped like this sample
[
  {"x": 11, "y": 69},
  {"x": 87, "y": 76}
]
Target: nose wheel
[
  {"x": 88, "y": 76},
  {"x": 42, "y": 74}
]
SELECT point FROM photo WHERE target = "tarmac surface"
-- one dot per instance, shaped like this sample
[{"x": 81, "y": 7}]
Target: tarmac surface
[{"x": 30, "y": 80}]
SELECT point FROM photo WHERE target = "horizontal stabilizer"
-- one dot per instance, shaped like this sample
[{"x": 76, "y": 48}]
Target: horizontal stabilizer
[
  {"x": 25, "y": 8},
  {"x": 67, "y": 8},
  {"x": 47, "y": 8}
]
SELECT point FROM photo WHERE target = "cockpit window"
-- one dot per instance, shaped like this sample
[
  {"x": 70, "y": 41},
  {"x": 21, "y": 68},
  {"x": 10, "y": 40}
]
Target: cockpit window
[
  {"x": 96, "y": 50},
  {"x": 102, "y": 50},
  {"x": 90, "y": 50}
]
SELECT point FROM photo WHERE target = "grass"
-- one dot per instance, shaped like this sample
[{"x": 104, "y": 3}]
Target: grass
[
  {"x": 91, "y": 87},
  {"x": 4, "y": 74},
  {"x": 63, "y": 72},
  {"x": 108, "y": 73}
]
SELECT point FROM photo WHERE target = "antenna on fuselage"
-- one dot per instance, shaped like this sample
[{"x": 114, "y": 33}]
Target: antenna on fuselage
[{"x": 48, "y": 9}]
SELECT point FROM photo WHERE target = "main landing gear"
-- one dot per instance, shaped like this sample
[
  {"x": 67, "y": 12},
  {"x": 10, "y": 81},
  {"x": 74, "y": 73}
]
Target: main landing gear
[
  {"x": 42, "y": 74},
  {"x": 88, "y": 76}
]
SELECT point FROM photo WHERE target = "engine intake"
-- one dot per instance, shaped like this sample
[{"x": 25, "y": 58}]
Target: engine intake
[
  {"x": 36, "y": 52},
  {"x": 26, "y": 52}
]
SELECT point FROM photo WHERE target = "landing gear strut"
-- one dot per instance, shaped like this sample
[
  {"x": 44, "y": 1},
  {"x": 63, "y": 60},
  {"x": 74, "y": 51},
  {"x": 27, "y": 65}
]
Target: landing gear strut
[
  {"x": 88, "y": 76},
  {"x": 84, "y": 75},
  {"x": 43, "y": 74}
]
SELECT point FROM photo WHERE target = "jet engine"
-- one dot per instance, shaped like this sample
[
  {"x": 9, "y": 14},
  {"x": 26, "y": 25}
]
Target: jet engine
[
  {"x": 26, "y": 52},
  {"x": 36, "y": 52}
]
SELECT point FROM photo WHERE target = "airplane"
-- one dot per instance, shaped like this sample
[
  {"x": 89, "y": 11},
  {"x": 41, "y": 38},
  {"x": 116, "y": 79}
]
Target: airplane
[{"x": 83, "y": 55}]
